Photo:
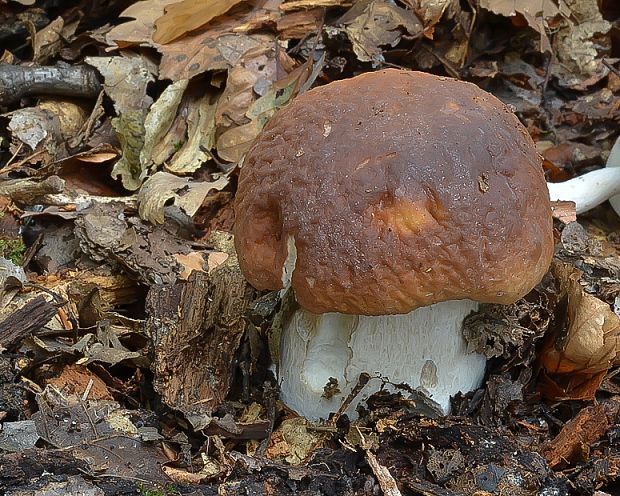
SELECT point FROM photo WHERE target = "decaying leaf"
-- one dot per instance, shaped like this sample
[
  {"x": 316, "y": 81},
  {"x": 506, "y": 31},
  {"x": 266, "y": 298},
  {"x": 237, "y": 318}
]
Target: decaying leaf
[
  {"x": 378, "y": 23},
  {"x": 146, "y": 251},
  {"x": 93, "y": 430},
  {"x": 162, "y": 187},
  {"x": 188, "y": 15},
  {"x": 580, "y": 42},
  {"x": 294, "y": 441},
  {"x": 47, "y": 42}
]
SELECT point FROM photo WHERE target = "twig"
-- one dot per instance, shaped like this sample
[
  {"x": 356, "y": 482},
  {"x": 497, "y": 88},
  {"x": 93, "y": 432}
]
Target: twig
[
  {"x": 28, "y": 191},
  {"x": 76, "y": 81},
  {"x": 361, "y": 382}
]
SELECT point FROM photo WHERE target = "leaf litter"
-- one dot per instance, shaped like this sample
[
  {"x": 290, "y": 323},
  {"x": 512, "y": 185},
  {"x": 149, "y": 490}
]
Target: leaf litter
[{"x": 134, "y": 353}]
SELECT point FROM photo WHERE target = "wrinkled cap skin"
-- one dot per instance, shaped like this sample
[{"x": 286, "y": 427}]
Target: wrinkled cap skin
[{"x": 399, "y": 189}]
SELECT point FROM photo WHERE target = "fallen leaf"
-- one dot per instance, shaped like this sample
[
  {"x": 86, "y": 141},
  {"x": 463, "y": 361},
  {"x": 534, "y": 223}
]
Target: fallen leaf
[
  {"x": 47, "y": 42},
  {"x": 188, "y": 15},
  {"x": 590, "y": 344},
  {"x": 580, "y": 42},
  {"x": 534, "y": 12},
  {"x": 162, "y": 187},
  {"x": 200, "y": 137},
  {"x": 380, "y": 24},
  {"x": 125, "y": 81},
  {"x": 191, "y": 262},
  {"x": 140, "y": 30},
  {"x": 158, "y": 121}
]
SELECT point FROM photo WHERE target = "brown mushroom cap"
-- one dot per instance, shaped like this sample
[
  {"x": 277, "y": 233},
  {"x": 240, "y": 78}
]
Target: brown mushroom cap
[{"x": 400, "y": 189}]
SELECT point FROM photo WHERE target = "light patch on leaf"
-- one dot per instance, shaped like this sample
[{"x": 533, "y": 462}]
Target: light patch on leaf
[{"x": 163, "y": 187}]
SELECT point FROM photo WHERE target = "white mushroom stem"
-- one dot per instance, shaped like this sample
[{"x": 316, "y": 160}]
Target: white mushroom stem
[
  {"x": 588, "y": 190},
  {"x": 424, "y": 349}
]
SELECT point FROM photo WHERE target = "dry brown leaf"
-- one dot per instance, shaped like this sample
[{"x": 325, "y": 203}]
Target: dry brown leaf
[
  {"x": 140, "y": 30},
  {"x": 533, "y": 11},
  {"x": 190, "y": 262},
  {"x": 47, "y": 42},
  {"x": 580, "y": 42},
  {"x": 593, "y": 339},
  {"x": 188, "y": 15},
  {"x": 574, "y": 364},
  {"x": 380, "y": 24}
]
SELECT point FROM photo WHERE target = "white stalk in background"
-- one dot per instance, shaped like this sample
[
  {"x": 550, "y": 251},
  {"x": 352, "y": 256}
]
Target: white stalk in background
[{"x": 593, "y": 188}]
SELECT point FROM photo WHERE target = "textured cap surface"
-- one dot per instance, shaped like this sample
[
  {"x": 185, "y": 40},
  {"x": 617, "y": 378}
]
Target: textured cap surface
[{"x": 396, "y": 190}]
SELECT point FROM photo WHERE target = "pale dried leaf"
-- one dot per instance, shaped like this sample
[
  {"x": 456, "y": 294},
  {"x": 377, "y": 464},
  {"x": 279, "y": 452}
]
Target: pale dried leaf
[
  {"x": 432, "y": 10},
  {"x": 188, "y": 15},
  {"x": 578, "y": 43},
  {"x": 162, "y": 187},
  {"x": 190, "y": 262},
  {"x": 159, "y": 119},
  {"x": 125, "y": 80},
  {"x": 201, "y": 138}
]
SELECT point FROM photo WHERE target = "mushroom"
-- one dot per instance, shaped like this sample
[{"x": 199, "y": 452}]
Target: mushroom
[
  {"x": 392, "y": 203},
  {"x": 592, "y": 189}
]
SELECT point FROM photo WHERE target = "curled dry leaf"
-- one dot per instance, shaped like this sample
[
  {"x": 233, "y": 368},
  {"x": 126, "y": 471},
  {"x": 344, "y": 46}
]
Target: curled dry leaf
[
  {"x": 589, "y": 346},
  {"x": 162, "y": 187}
]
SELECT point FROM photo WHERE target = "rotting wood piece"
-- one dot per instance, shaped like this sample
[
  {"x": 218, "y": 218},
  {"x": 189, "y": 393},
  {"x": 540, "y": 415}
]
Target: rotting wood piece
[
  {"x": 27, "y": 319},
  {"x": 577, "y": 436},
  {"x": 197, "y": 328},
  {"x": 22, "y": 469}
]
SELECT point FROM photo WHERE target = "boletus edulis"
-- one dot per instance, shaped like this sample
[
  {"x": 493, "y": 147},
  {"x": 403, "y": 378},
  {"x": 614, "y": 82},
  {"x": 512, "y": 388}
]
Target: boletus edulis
[{"x": 392, "y": 203}]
